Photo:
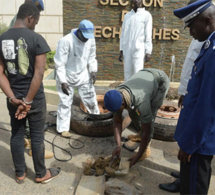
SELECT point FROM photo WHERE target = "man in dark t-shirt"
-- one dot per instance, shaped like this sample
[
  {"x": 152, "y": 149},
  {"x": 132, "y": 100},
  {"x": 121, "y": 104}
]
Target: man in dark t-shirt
[
  {"x": 22, "y": 65},
  {"x": 48, "y": 154}
]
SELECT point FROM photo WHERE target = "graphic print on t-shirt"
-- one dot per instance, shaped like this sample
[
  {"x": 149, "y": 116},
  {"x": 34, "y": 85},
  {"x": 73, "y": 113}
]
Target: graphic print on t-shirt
[
  {"x": 23, "y": 59},
  {"x": 8, "y": 49},
  {"x": 11, "y": 67}
]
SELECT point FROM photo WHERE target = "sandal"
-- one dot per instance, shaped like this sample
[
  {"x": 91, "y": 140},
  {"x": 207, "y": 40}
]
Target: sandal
[
  {"x": 21, "y": 180},
  {"x": 54, "y": 173}
]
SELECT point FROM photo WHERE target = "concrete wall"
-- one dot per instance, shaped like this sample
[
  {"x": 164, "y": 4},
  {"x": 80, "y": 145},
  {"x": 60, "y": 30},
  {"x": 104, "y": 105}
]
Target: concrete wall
[{"x": 50, "y": 25}]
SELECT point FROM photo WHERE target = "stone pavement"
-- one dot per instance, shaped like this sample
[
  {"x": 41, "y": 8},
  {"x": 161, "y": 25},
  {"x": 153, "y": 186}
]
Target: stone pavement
[{"x": 145, "y": 175}]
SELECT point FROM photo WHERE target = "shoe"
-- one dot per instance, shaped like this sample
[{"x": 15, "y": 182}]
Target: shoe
[
  {"x": 131, "y": 146},
  {"x": 134, "y": 138},
  {"x": 146, "y": 154},
  {"x": 66, "y": 134},
  {"x": 175, "y": 174},
  {"x": 27, "y": 143},
  {"x": 48, "y": 154},
  {"x": 171, "y": 187},
  {"x": 124, "y": 139},
  {"x": 54, "y": 173},
  {"x": 21, "y": 180},
  {"x": 45, "y": 128}
]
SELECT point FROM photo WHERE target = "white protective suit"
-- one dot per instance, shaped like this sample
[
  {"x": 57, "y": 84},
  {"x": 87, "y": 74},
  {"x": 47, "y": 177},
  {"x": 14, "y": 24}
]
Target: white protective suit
[
  {"x": 192, "y": 54},
  {"x": 135, "y": 40},
  {"x": 74, "y": 61}
]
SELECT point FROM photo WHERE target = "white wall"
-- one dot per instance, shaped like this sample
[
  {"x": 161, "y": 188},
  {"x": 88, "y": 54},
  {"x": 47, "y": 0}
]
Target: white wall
[{"x": 50, "y": 25}]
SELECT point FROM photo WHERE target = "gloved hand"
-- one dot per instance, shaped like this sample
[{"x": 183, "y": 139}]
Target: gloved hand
[
  {"x": 65, "y": 87},
  {"x": 93, "y": 77},
  {"x": 120, "y": 56},
  {"x": 147, "y": 57}
]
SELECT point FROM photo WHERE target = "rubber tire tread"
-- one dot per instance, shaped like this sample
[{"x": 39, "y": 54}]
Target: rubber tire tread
[{"x": 95, "y": 128}]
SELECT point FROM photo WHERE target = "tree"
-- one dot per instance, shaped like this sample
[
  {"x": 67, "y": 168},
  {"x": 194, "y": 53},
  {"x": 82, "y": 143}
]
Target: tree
[{"x": 3, "y": 28}]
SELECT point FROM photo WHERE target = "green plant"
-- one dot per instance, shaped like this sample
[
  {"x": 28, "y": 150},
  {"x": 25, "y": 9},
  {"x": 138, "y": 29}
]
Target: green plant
[
  {"x": 3, "y": 28},
  {"x": 50, "y": 57},
  {"x": 53, "y": 88}
]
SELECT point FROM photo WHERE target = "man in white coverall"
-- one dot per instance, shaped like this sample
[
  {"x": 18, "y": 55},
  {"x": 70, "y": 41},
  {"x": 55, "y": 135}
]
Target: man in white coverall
[
  {"x": 76, "y": 65},
  {"x": 193, "y": 52},
  {"x": 136, "y": 39}
]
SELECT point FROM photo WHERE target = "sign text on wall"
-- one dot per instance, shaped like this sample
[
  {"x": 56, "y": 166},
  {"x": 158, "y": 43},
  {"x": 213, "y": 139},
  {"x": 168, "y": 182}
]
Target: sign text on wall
[
  {"x": 113, "y": 32},
  {"x": 146, "y": 3}
]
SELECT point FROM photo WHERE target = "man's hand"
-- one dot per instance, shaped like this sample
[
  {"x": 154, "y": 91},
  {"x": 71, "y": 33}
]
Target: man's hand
[
  {"x": 17, "y": 102},
  {"x": 116, "y": 151},
  {"x": 183, "y": 156},
  {"x": 93, "y": 77},
  {"x": 180, "y": 101},
  {"x": 22, "y": 111},
  {"x": 120, "y": 56},
  {"x": 65, "y": 88},
  {"x": 133, "y": 160},
  {"x": 147, "y": 57}
]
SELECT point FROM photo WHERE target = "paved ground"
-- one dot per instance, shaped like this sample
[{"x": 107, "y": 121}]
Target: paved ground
[{"x": 145, "y": 175}]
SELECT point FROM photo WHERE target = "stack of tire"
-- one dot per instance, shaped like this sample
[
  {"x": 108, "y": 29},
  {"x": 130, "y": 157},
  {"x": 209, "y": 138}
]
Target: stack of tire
[{"x": 101, "y": 125}]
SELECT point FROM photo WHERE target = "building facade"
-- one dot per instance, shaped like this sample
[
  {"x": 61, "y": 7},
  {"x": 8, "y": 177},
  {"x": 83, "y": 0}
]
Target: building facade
[
  {"x": 170, "y": 41},
  {"x": 50, "y": 25}
]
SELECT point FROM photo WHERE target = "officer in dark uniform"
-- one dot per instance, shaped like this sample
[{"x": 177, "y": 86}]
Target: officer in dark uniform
[{"x": 195, "y": 132}]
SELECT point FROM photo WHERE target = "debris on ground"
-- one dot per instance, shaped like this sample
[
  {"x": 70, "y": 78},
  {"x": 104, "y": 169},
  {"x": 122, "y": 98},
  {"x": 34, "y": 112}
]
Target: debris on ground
[
  {"x": 116, "y": 186},
  {"x": 101, "y": 165},
  {"x": 172, "y": 94}
]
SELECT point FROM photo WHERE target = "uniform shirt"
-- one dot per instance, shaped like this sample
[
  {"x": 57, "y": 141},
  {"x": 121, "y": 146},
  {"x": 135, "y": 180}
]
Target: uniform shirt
[
  {"x": 193, "y": 52},
  {"x": 145, "y": 96},
  {"x": 19, "y": 47},
  {"x": 73, "y": 58},
  {"x": 195, "y": 131}
]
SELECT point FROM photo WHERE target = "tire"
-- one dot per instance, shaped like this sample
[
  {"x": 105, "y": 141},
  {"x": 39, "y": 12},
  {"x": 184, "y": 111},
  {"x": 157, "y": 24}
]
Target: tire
[
  {"x": 164, "y": 128},
  {"x": 104, "y": 113},
  {"x": 81, "y": 124}
]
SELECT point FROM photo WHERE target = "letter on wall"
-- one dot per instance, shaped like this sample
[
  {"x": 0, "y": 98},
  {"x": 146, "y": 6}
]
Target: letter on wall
[
  {"x": 123, "y": 14},
  {"x": 175, "y": 34},
  {"x": 97, "y": 31},
  {"x": 104, "y": 2},
  {"x": 105, "y": 35},
  {"x": 122, "y": 3}
]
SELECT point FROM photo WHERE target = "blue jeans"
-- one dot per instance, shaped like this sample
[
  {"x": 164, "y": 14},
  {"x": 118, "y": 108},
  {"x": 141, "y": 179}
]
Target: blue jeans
[{"x": 36, "y": 117}]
